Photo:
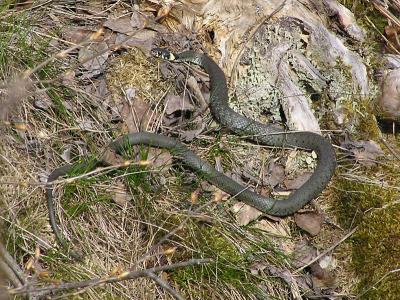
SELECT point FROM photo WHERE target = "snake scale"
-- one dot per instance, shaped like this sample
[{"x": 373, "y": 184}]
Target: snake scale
[{"x": 227, "y": 117}]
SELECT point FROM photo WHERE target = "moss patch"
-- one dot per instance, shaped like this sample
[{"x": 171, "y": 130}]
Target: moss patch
[
  {"x": 376, "y": 243},
  {"x": 229, "y": 270},
  {"x": 376, "y": 251}
]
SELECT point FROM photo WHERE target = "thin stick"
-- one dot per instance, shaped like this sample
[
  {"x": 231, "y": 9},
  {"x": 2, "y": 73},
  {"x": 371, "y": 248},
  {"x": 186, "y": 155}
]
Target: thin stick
[
  {"x": 11, "y": 267},
  {"x": 378, "y": 281},
  {"x": 28, "y": 289},
  {"x": 164, "y": 285},
  {"x": 395, "y": 154},
  {"x": 327, "y": 250}
]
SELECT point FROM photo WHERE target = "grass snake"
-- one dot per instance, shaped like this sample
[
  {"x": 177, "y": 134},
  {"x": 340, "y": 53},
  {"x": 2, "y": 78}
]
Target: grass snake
[{"x": 227, "y": 117}]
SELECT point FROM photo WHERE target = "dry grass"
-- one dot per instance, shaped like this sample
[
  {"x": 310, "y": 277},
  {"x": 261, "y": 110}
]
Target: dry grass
[
  {"x": 118, "y": 219},
  {"x": 112, "y": 234}
]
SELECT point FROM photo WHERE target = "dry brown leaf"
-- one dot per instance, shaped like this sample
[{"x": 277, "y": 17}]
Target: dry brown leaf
[
  {"x": 208, "y": 187},
  {"x": 390, "y": 95},
  {"x": 93, "y": 58},
  {"x": 309, "y": 221},
  {"x": 244, "y": 213},
  {"x": 42, "y": 101},
  {"x": 177, "y": 109},
  {"x": 137, "y": 114},
  {"x": 144, "y": 40},
  {"x": 77, "y": 34},
  {"x": 294, "y": 184},
  {"x": 189, "y": 135},
  {"x": 177, "y": 105},
  {"x": 322, "y": 277},
  {"x": 68, "y": 78},
  {"x": 293, "y": 281},
  {"x": 257, "y": 267},
  {"x": 93, "y": 7},
  {"x": 160, "y": 159},
  {"x": 66, "y": 154},
  {"x": 138, "y": 20},
  {"x": 121, "y": 25},
  {"x": 303, "y": 253},
  {"x": 365, "y": 152},
  {"x": 276, "y": 174},
  {"x": 120, "y": 194}
]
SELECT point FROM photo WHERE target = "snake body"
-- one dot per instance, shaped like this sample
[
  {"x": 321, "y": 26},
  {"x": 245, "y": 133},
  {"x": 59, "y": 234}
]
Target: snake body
[{"x": 251, "y": 129}]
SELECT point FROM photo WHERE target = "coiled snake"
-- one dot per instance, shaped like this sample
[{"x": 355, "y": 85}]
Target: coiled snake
[{"x": 227, "y": 117}]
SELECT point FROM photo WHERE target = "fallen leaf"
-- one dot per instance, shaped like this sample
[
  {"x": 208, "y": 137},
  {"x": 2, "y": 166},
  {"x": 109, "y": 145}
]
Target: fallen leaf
[
  {"x": 309, "y": 221},
  {"x": 290, "y": 279},
  {"x": 160, "y": 159},
  {"x": 257, "y": 267},
  {"x": 66, "y": 155},
  {"x": 138, "y": 20},
  {"x": 297, "y": 182},
  {"x": 77, "y": 35},
  {"x": 244, "y": 213},
  {"x": 68, "y": 78},
  {"x": 322, "y": 277},
  {"x": 207, "y": 187},
  {"x": 177, "y": 108},
  {"x": 121, "y": 25},
  {"x": 137, "y": 114},
  {"x": 389, "y": 100},
  {"x": 86, "y": 124},
  {"x": 276, "y": 174},
  {"x": 365, "y": 152},
  {"x": 111, "y": 157},
  {"x": 144, "y": 40},
  {"x": 120, "y": 195},
  {"x": 42, "y": 101},
  {"x": 177, "y": 105},
  {"x": 198, "y": 124},
  {"x": 93, "y": 58},
  {"x": 303, "y": 253}
]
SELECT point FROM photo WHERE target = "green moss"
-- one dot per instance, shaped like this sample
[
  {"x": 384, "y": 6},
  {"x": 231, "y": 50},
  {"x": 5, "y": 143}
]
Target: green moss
[
  {"x": 363, "y": 9},
  {"x": 362, "y": 121},
  {"x": 229, "y": 269},
  {"x": 376, "y": 251},
  {"x": 376, "y": 243},
  {"x": 367, "y": 127},
  {"x": 355, "y": 198}
]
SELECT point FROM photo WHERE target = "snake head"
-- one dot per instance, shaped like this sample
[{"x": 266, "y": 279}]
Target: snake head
[{"x": 162, "y": 53}]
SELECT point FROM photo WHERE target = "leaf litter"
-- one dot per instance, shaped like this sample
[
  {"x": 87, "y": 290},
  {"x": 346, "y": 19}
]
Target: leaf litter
[{"x": 137, "y": 111}]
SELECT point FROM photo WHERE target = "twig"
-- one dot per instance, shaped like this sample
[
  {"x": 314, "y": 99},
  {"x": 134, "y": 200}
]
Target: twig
[
  {"x": 63, "y": 53},
  {"x": 378, "y": 281},
  {"x": 395, "y": 154},
  {"x": 164, "y": 285},
  {"x": 105, "y": 279},
  {"x": 99, "y": 171},
  {"x": 11, "y": 268},
  {"x": 389, "y": 43},
  {"x": 326, "y": 251},
  {"x": 9, "y": 274}
]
